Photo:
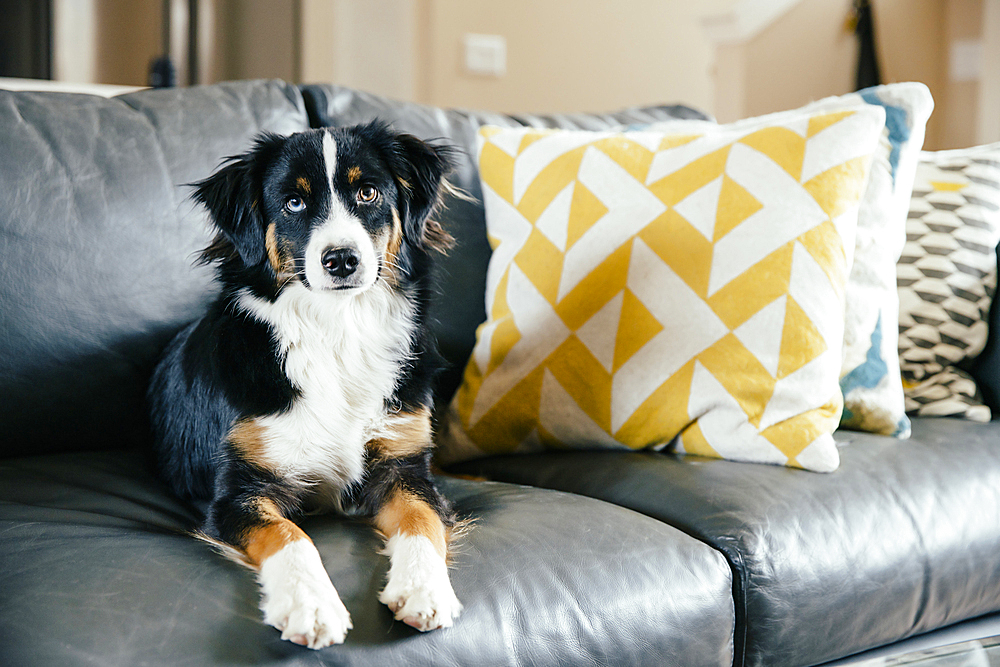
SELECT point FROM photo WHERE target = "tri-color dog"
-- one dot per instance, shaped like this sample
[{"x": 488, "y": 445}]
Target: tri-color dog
[{"x": 308, "y": 383}]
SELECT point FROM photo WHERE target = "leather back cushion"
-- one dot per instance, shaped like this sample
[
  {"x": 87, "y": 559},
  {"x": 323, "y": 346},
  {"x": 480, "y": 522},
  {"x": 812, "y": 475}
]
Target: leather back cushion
[
  {"x": 97, "y": 238},
  {"x": 986, "y": 367},
  {"x": 460, "y": 305}
]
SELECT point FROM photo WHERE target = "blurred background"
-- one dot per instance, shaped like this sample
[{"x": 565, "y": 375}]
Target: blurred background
[{"x": 732, "y": 58}]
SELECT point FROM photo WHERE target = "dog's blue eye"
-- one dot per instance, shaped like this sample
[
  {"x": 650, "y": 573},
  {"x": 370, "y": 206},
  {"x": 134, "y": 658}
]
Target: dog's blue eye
[{"x": 295, "y": 205}]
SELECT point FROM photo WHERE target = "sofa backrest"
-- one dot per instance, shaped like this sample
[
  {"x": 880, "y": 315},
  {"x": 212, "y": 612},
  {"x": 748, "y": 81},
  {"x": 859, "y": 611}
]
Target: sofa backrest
[
  {"x": 98, "y": 237},
  {"x": 461, "y": 280},
  {"x": 97, "y": 240}
]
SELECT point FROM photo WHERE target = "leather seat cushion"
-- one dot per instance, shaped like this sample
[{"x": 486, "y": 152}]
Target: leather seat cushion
[
  {"x": 900, "y": 540},
  {"x": 95, "y": 567}
]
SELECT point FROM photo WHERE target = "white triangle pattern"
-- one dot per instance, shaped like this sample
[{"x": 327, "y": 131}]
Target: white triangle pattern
[
  {"x": 554, "y": 220},
  {"x": 761, "y": 334},
  {"x": 700, "y": 207},
  {"x": 598, "y": 334}
]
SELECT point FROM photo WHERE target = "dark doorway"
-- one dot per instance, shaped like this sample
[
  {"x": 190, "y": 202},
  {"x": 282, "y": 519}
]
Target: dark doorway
[{"x": 26, "y": 39}]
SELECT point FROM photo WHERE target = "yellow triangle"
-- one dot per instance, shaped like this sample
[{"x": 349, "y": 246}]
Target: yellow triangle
[
  {"x": 822, "y": 121},
  {"x": 756, "y": 287},
  {"x": 596, "y": 289},
  {"x": 585, "y": 210},
  {"x": 839, "y": 188},
  {"x": 735, "y": 206},
  {"x": 584, "y": 378},
  {"x": 662, "y": 415},
  {"x": 496, "y": 169},
  {"x": 541, "y": 261},
  {"x": 681, "y": 247},
  {"x": 782, "y": 145},
  {"x": 552, "y": 180},
  {"x": 636, "y": 327},
  {"x": 947, "y": 186},
  {"x": 801, "y": 341},
  {"x": 824, "y": 244},
  {"x": 490, "y": 131},
  {"x": 505, "y": 337},
  {"x": 675, "y": 140},
  {"x": 674, "y": 187},
  {"x": 530, "y": 138},
  {"x": 549, "y": 441},
  {"x": 742, "y": 375},
  {"x": 793, "y": 435},
  {"x": 500, "y": 306},
  {"x": 511, "y": 419},
  {"x": 695, "y": 442},
  {"x": 630, "y": 156}
]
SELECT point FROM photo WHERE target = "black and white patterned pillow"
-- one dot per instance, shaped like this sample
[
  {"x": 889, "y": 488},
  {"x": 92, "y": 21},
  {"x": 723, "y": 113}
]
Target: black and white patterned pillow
[{"x": 947, "y": 277}]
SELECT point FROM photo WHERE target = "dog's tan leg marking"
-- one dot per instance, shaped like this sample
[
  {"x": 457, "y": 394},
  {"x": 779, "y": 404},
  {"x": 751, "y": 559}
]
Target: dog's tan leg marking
[
  {"x": 407, "y": 514},
  {"x": 403, "y": 434},
  {"x": 273, "y": 536},
  {"x": 418, "y": 590},
  {"x": 297, "y": 596}
]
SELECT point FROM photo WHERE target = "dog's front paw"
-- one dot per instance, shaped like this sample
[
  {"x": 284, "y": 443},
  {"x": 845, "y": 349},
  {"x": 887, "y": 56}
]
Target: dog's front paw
[
  {"x": 299, "y": 600},
  {"x": 308, "y": 619},
  {"x": 418, "y": 591}
]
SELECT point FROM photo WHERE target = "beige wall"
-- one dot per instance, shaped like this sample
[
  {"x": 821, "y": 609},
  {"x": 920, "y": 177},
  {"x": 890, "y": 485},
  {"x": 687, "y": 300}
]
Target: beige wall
[
  {"x": 562, "y": 55},
  {"x": 372, "y": 45},
  {"x": 988, "y": 121},
  {"x": 912, "y": 47},
  {"x": 573, "y": 56},
  {"x": 958, "y": 103},
  {"x": 258, "y": 39},
  {"x": 807, "y": 54}
]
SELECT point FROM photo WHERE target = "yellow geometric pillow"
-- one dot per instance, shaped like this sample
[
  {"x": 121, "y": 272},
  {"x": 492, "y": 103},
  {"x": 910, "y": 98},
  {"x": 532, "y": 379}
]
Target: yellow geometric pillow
[{"x": 648, "y": 286}]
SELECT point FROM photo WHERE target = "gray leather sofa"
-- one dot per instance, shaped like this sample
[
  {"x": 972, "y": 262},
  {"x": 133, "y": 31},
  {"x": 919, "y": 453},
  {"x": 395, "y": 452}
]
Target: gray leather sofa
[{"x": 576, "y": 559}]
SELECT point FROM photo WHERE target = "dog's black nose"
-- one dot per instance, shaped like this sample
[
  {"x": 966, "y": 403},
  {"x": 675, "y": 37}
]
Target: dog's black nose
[{"x": 341, "y": 262}]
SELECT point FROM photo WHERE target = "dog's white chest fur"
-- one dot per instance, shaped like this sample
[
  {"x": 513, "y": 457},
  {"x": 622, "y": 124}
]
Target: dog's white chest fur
[{"x": 343, "y": 354}]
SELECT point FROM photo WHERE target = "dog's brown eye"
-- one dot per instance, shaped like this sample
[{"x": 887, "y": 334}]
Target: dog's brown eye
[
  {"x": 367, "y": 194},
  {"x": 295, "y": 205}
]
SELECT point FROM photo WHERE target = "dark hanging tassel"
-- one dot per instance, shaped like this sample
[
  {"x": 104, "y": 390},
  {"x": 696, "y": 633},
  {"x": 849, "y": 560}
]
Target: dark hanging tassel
[{"x": 868, "y": 73}]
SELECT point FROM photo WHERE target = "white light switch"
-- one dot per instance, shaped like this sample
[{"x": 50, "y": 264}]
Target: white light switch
[
  {"x": 485, "y": 55},
  {"x": 965, "y": 60}
]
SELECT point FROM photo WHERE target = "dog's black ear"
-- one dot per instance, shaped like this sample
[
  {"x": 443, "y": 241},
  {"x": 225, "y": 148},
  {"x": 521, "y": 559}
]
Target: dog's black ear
[
  {"x": 420, "y": 169},
  {"x": 232, "y": 196}
]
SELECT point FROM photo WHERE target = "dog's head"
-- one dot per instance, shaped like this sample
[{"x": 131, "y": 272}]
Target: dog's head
[{"x": 337, "y": 209}]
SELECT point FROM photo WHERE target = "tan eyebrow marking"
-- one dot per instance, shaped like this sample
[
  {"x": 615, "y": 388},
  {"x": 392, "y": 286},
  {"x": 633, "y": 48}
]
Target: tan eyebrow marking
[
  {"x": 353, "y": 174},
  {"x": 304, "y": 184}
]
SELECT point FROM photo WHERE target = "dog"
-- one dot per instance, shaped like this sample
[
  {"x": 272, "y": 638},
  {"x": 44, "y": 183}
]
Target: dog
[{"x": 307, "y": 385}]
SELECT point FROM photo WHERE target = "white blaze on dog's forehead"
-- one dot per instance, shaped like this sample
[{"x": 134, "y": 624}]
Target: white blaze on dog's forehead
[{"x": 329, "y": 156}]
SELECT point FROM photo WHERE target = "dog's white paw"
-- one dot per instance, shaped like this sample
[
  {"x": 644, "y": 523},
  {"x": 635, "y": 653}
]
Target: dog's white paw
[
  {"x": 418, "y": 591},
  {"x": 299, "y": 599}
]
